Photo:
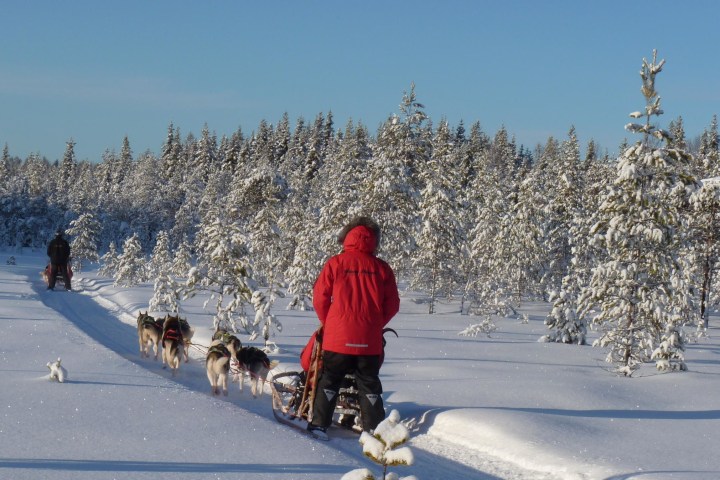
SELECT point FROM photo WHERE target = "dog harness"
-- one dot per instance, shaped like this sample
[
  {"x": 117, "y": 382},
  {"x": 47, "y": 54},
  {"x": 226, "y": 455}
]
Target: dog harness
[
  {"x": 172, "y": 334},
  {"x": 220, "y": 349},
  {"x": 148, "y": 320}
]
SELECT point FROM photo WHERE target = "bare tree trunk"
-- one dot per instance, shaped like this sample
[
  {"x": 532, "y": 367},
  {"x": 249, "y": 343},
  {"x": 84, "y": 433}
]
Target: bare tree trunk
[{"x": 705, "y": 291}]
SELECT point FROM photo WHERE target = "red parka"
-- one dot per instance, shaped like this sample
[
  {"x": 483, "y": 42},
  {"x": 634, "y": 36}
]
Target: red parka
[{"x": 355, "y": 296}]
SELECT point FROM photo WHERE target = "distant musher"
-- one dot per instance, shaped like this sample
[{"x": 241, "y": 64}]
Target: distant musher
[{"x": 59, "y": 252}]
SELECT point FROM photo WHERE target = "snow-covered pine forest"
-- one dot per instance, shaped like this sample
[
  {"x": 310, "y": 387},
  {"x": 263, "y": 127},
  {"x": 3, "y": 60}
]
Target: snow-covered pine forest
[{"x": 625, "y": 244}]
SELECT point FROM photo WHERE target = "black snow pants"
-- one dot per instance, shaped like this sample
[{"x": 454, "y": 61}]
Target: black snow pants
[
  {"x": 54, "y": 270},
  {"x": 366, "y": 369}
]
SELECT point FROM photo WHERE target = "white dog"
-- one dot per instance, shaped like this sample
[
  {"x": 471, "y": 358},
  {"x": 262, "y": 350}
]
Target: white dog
[
  {"x": 57, "y": 371},
  {"x": 217, "y": 365}
]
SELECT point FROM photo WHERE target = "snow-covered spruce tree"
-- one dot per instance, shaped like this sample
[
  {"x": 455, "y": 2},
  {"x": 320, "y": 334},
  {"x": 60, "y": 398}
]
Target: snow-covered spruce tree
[
  {"x": 109, "y": 262},
  {"x": 84, "y": 230},
  {"x": 205, "y": 158},
  {"x": 315, "y": 153},
  {"x": 146, "y": 212},
  {"x": 4, "y": 169},
  {"x": 338, "y": 185},
  {"x": 440, "y": 238},
  {"x": 382, "y": 448},
  {"x": 565, "y": 184},
  {"x": 160, "y": 259},
  {"x": 705, "y": 229},
  {"x": 495, "y": 192},
  {"x": 387, "y": 197},
  {"x": 85, "y": 196},
  {"x": 640, "y": 290},
  {"x": 266, "y": 244},
  {"x": 470, "y": 154},
  {"x": 709, "y": 152},
  {"x": 566, "y": 210},
  {"x": 66, "y": 176},
  {"x": 223, "y": 270},
  {"x": 131, "y": 264},
  {"x": 268, "y": 251},
  {"x": 182, "y": 261},
  {"x": 676, "y": 139},
  {"x": 306, "y": 257},
  {"x": 389, "y": 193},
  {"x": 520, "y": 249},
  {"x": 564, "y": 322},
  {"x": 166, "y": 292}
]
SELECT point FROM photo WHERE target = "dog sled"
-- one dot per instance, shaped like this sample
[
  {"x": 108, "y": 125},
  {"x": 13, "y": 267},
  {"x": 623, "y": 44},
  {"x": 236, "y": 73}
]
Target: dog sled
[
  {"x": 293, "y": 393},
  {"x": 47, "y": 273}
]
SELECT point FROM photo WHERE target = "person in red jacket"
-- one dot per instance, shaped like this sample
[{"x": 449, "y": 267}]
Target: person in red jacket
[{"x": 354, "y": 297}]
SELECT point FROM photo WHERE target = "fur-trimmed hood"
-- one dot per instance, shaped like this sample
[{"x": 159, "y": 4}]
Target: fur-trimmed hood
[{"x": 365, "y": 238}]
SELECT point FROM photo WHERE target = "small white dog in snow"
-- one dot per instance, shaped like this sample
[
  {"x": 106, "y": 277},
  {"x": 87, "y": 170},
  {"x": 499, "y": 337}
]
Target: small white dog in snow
[{"x": 57, "y": 371}]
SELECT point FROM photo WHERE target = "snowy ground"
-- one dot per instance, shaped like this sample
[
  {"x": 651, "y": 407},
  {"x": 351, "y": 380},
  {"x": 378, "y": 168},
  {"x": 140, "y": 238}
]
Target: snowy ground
[{"x": 504, "y": 407}]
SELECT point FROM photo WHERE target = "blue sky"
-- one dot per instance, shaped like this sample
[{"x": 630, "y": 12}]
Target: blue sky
[{"x": 97, "y": 71}]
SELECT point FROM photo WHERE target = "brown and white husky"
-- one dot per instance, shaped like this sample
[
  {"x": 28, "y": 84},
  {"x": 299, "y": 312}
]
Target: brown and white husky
[
  {"x": 186, "y": 332},
  {"x": 149, "y": 334},
  {"x": 217, "y": 364},
  {"x": 173, "y": 343},
  {"x": 233, "y": 344}
]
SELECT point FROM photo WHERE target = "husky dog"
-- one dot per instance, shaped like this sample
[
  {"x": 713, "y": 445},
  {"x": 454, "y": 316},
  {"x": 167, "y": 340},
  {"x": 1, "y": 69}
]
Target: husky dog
[
  {"x": 217, "y": 365},
  {"x": 149, "y": 334},
  {"x": 57, "y": 371},
  {"x": 45, "y": 274},
  {"x": 233, "y": 345},
  {"x": 173, "y": 343},
  {"x": 186, "y": 333},
  {"x": 219, "y": 334},
  {"x": 257, "y": 364}
]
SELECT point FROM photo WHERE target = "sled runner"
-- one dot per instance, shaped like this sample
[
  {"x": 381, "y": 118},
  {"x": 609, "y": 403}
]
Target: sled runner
[{"x": 293, "y": 393}]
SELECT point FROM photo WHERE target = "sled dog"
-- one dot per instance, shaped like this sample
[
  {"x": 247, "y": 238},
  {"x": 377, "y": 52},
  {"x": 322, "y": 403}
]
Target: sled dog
[
  {"x": 57, "y": 371},
  {"x": 233, "y": 345},
  {"x": 254, "y": 362},
  {"x": 217, "y": 364},
  {"x": 232, "y": 342},
  {"x": 173, "y": 343},
  {"x": 186, "y": 332},
  {"x": 149, "y": 334}
]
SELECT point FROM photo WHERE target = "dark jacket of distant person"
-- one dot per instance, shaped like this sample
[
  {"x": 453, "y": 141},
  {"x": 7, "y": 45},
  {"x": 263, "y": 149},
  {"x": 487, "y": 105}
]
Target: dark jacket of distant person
[{"x": 59, "y": 250}]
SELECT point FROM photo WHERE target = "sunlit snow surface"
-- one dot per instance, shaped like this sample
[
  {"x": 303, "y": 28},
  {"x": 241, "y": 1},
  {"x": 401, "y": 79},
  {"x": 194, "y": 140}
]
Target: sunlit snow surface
[{"x": 503, "y": 406}]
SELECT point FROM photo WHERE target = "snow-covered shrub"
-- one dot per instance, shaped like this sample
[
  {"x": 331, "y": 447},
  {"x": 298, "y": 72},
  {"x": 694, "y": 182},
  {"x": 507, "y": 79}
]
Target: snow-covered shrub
[
  {"x": 565, "y": 325},
  {"x": 382, "y": 448},
  {"x": 668, "y": 355},
  {"x": 486, "y": 326}
]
